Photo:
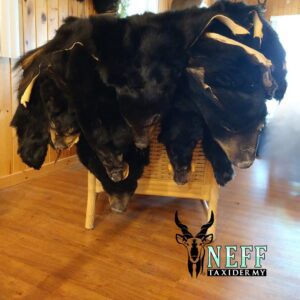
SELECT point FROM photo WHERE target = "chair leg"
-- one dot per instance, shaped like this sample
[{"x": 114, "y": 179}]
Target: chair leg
[
  {"x": 91, "y": 202},
  {"x": 212, "y": 206}
]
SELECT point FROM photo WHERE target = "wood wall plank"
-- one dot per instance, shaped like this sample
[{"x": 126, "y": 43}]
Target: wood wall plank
[
  {"x": 41, "y": 22},
  {"x": 63, "y": 10},
  {"x": 164, "y": 5},
  {"x": 81, "y": 9},
  {"x": 5, "y": 117},
  {"x": 88, "y": 8},
  {"x": 21, "y": 27},
  {"x": 73, "y": 9},
  {"x": 29, "y": 173},
  {"x": 29, "y": 24},
  {"x": 53, "y": 18},
  {"x": 282, "y": 7},
  {"x": 276, "y": 7}
]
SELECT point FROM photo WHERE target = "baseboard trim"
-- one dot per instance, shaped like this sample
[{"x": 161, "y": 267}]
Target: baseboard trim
[{"x": 28, "y": 174}]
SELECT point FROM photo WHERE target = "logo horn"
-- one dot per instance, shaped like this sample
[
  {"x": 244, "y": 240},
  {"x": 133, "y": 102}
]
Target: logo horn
[
  {"x": 205, "y": 227},
  {"x": 183, "y": 227}
]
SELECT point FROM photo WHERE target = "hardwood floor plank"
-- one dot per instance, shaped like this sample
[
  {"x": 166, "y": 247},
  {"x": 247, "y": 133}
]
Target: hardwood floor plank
[{"x": 45, "y": 252}]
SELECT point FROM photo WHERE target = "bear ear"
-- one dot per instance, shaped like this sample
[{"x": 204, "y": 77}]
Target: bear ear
[
  {"x": 254, "y": 56},
  {"x": 31, "y": 125},
  {"x": 268, "y": 54},
  {"x": 271, "y": 47},
  {"x": 257, "y": 27},
  {"x": 80, "y": 64},
  {"x": 224, "y": 21},
  {"x": 197, "y": 74}
]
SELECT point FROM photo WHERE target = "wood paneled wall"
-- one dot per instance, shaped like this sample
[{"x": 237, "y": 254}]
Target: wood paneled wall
[
  {"x": 164, "y": 5},
  {"x": 276, "y": 7},
  {"x": 39, "y": 20},
  {"x": 280, "y": 7}
]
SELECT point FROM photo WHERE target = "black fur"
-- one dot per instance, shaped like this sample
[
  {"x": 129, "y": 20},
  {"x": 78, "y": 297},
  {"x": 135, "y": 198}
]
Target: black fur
[
  {"x": 236, "y": 116},
  {"x": 48, "y": 109},
  {"x": 98, "y": 113},
  {"x": 221, "y": 165},
  {"x": 181, "y": 130},
  {"x": 270, "y": 46},
  {"x": 143, "y": 59},
  {"x": 32, "y": 127},
  {"x": 143, "y": 63},
  {"x": 123, "y": 190}
]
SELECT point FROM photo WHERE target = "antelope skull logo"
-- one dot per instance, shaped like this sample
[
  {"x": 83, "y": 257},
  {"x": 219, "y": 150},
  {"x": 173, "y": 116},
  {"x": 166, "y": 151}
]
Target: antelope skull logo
[{"x": 195, "y": 245}]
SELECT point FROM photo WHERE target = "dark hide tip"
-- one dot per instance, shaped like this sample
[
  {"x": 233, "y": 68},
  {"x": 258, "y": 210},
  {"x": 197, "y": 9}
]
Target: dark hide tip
[{"x": 31, "y": 125}]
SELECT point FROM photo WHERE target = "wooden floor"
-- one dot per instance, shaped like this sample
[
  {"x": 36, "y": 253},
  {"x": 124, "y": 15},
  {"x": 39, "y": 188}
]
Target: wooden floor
[{"x": 45, "y": 252}]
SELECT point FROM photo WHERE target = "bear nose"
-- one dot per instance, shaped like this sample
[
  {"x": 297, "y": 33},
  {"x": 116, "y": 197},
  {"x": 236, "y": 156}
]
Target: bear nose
[{"x": 244, "y": 164}]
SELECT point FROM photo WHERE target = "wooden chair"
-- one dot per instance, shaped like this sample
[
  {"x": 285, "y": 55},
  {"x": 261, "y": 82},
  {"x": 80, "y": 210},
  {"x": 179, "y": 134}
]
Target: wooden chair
[{"x": 158, "y": 180}]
